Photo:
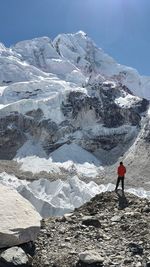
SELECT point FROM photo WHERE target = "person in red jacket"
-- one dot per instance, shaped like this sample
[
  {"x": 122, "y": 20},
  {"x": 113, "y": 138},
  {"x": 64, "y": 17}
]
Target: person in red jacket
[{"x": 121, "y": 174}]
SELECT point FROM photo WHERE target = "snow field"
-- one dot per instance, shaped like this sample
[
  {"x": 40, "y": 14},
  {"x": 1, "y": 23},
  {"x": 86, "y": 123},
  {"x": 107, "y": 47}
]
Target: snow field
[{"x": 72, "y": 158}]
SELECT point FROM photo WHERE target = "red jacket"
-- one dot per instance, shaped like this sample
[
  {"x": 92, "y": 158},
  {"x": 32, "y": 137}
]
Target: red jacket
[{"x": 121, "y": 170}]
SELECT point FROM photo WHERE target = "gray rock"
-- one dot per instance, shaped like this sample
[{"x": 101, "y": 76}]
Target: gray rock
[
  {"x": 116, "y": 219},
  {"x": 12, "y": 257},
  {"x": 90, "y": 257}
]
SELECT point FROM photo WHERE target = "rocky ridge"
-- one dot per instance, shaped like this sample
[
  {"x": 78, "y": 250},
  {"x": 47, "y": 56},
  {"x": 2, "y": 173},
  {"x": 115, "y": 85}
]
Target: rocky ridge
[{"x": 110, "y": 230}]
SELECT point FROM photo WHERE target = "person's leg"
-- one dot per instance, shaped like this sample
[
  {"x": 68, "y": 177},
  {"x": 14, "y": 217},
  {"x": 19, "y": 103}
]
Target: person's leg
[
  {"x": 117, "y": 184},
  {"x": 122, "y": 180}
]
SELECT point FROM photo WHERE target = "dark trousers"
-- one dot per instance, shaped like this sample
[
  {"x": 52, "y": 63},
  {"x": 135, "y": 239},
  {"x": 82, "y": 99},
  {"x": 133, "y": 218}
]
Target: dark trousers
[{"x": 120, "y": 179}]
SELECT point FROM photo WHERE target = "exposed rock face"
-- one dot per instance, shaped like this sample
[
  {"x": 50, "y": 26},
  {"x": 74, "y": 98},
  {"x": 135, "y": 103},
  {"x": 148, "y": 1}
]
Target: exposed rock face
[
  {"x": 106, "y": 109},
  {"x": 19, "y": 223},
  {"x": 122, "y": 238},
  {"x": 102, "y": 109},
  {"x": 15, "y": 129}
]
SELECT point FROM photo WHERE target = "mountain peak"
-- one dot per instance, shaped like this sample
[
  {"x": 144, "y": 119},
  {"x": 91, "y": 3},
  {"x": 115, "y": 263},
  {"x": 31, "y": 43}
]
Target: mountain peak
[{"x": 81, "y": 33}]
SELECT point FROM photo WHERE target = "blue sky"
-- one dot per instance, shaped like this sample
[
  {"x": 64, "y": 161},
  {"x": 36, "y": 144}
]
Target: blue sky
[{"x": 120, "y": 27}]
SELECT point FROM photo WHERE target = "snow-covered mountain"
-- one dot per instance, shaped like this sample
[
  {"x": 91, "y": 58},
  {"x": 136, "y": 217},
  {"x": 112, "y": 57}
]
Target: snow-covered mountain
[
  {"x": 73, "y": 57},
  {"x": 67, "y": 99}
]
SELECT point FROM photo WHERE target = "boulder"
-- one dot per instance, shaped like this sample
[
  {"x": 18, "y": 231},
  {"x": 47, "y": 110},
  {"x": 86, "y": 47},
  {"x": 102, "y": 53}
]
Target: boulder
[
  {"x": 90, "y": 257},
  {"x": 20, "y": 222},
  {"x": 12, "y": 257}
]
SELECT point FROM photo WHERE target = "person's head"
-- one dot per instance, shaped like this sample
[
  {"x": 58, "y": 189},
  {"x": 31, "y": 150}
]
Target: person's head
[{"x": 121, "y": 163}]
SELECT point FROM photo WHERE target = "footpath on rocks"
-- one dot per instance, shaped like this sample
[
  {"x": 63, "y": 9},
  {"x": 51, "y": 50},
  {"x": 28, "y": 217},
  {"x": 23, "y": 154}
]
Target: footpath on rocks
[{"x": 110, "y": 230}]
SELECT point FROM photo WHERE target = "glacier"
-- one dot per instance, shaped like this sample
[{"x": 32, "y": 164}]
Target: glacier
[{"x": 60, "y": 197}]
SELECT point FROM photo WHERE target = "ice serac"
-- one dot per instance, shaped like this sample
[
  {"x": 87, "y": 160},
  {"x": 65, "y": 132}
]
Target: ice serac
[
  {"x": 59, "y": 197},
  {"x": 20, "y": 223}
]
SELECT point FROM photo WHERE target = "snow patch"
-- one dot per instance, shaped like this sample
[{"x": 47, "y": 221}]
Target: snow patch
[
  {"x": 127, "y": 101},
  {"x": 73, "y": 153}
]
